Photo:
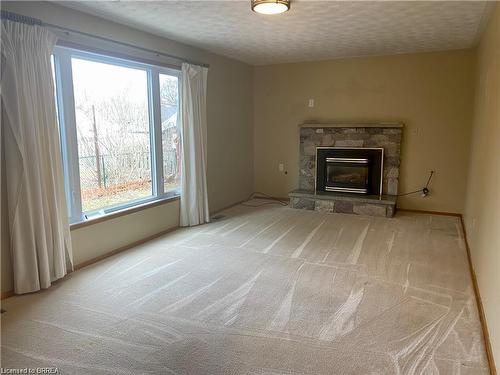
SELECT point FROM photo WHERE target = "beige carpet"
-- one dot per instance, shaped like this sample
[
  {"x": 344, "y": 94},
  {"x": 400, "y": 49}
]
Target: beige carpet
[{"x": 267, "y": 290}]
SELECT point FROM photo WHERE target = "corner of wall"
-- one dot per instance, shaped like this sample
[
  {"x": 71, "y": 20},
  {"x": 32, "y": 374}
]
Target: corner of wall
[{"x": 482, "y": 202}]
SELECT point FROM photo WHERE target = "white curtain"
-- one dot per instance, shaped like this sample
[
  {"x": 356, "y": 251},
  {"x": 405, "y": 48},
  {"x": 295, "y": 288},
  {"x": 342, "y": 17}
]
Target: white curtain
[
  {"x": 38, "y": 221},
  {"x": 194, "y": 200}
]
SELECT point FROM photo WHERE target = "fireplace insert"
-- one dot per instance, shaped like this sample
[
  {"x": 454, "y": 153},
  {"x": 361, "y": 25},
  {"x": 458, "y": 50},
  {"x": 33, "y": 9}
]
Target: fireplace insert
[{"x": 349, "y": 170}]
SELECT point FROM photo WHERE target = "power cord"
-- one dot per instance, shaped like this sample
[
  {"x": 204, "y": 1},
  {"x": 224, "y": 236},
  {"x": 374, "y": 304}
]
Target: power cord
[
  {"x": 425, "y": 190},
  {"x": 258, "y": 194}
]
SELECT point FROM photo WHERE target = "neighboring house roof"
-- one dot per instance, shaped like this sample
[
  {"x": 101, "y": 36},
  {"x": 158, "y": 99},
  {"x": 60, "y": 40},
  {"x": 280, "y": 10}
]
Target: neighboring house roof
[
  {"x": 168, "y": 110},
  {"x": 171, "y": 122}
]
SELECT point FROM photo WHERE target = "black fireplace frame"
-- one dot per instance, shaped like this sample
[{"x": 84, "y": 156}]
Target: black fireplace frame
[{"x": 350, "y": 156}]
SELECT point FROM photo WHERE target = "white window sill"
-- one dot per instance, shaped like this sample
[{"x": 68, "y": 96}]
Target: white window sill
[{"x": 125, "y": 211}]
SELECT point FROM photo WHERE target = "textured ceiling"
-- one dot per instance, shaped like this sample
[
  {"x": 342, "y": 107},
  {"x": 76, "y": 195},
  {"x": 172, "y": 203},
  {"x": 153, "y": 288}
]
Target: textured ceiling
[{"x": 311, "y": 30}]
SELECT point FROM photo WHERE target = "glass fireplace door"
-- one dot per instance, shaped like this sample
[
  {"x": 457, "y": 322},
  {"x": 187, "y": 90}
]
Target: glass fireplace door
[{"x": 347, "y": 175}]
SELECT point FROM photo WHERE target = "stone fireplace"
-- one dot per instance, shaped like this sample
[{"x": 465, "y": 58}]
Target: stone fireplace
[{"x": 349, "y": 168}]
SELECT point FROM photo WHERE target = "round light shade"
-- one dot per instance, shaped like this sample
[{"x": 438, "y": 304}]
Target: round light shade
[{"x": 270, "y": 6}]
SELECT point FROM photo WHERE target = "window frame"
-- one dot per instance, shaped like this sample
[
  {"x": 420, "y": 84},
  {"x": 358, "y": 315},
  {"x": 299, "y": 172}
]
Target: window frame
[{"x": 65, "y": 101}]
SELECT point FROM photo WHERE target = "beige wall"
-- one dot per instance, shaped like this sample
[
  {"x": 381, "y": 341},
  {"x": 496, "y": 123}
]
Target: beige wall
[
  {"x": 482, "y": 212},
  {"x": 93, "y": 241},
  {"x": 432, "y": 93},
  {"x": 230, "y": 130}
]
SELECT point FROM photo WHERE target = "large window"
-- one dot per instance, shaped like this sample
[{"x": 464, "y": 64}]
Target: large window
[{"x": 120, "y": 131}]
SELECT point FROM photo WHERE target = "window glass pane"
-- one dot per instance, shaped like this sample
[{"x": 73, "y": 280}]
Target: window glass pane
[
  {"x": 112, "y": 123},
  {"x": 170, "y": 129}
]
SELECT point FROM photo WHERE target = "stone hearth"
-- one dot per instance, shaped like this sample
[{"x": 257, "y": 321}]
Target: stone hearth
[{"x": 383, "y": 206}]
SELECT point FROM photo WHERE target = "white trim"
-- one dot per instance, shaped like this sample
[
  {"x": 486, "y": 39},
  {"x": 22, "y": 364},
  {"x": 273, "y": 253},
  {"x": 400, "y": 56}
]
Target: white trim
[
  {"x": 118, "y": 207},
  {"x": 155, "y": 132},
  {"x": 67, "y": 124}
]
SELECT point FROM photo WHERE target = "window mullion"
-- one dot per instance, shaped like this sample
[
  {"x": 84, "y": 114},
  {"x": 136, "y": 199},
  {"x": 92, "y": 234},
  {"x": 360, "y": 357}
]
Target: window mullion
[
  {"x": 66, "y": 107},
  {"x": 155, "y": 131}
]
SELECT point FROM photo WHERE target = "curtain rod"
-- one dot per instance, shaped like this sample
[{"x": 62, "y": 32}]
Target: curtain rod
[{"x": 34, "y": 21}]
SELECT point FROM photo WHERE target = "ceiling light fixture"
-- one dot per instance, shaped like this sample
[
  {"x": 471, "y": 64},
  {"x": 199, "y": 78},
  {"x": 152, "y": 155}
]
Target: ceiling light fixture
[{"x": 270, "y": 6}]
